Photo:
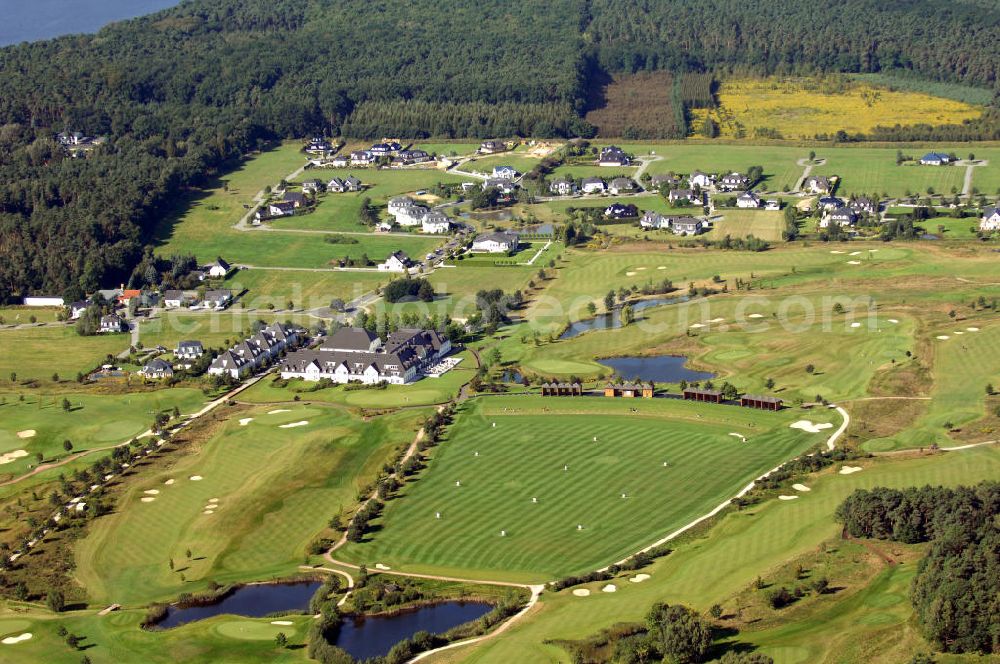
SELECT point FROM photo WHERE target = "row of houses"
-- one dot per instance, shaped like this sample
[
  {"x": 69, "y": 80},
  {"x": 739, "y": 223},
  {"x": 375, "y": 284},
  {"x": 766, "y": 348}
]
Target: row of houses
[
  {"x": 355, "y": 355},
  {"x": 406, "y": 212},
  {"x": 593, "y": 185},
  {"x": 256, "y": 351},
  {"x": 216, "y": 299},
  {"x": 334, "y": 186},
  {"x": 678, "y": 225}
]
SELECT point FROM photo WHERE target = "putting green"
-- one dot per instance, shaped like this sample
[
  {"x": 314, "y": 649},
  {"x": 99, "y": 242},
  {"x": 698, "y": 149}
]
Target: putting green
[{"x": 250, "y": 630}]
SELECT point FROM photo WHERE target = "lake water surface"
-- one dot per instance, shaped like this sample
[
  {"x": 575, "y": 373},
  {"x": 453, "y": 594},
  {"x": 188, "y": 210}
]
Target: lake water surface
[
  {"x": 662, "y": 369},
  {"x": 44, "y": 19},
  {"x": 256, "y": 601},
  {"x": 613, "y": 321}
]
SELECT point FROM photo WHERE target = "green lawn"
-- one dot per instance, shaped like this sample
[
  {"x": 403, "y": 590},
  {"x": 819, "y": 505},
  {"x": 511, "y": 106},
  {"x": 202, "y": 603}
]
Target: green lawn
[
  {"x": 40, "y": 351},
  {"x": 709, "y": 569},
  {"x": 523, "y": 456},
  {"x": 22, "y": 315},
  {"x": 874, "y": 170},
  {"x": 276, "y": 489},
  {"x": 94, "y": 420},
  {"x": 763, "y": 224},
  {"x": 778, "y": 162}
]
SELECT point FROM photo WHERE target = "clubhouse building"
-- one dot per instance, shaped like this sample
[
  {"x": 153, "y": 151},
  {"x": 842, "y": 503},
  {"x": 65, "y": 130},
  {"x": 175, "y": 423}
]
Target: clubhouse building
[{"x": 355, "y": 355}]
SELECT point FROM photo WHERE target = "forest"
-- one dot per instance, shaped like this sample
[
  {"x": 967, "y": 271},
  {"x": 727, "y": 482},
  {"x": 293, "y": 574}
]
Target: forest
[
  {"x": 185, "y": 93},
  {"x": 956, "y": 592}
]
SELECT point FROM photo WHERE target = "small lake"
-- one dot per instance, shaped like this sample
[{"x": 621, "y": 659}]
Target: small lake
[
  {"x": 375, "y": 637},
  {"x": 662, "y": 369},
  {"x": 256, "y": 601},
  {"x": 613, "y": 321}
]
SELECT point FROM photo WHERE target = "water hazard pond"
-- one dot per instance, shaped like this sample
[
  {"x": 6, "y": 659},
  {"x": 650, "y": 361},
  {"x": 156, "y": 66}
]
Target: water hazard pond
[
  {"x": 661, "y": 369},
  {"x": 613, "y": 321},
  {"x": 362, "y": 638}
]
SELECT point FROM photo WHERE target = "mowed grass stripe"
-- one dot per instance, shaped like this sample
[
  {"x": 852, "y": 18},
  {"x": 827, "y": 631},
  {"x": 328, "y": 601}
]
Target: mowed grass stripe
[{"x": 524, "y": 457}]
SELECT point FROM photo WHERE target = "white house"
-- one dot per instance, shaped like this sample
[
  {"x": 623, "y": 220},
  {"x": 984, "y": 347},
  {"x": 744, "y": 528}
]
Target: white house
[
  {"x": 748, "y": 199},
  {"x": 935, "y": 159},
  {"x": 842, "y": 216},
  {"x": 620, "y": 186},
  {"x": 397, "y": 261},
  {"x": 593, "y": 185},
  {"x": 76, "y": 309},
  {"x": 157, "y": 369},
  {"x": 219, "y": 269},
  {"x": 186, "y": 352},
  {"x": 504, "y": 172},
  {"x": 174, "y": 299},
  {"x": 734, "y": 182},
  {"x": 217, "y": 299},
  {"x": 435, "y": 222},
  {"x": 409, "y": 215},
  {"x": 363, "y": 158},
  {"x": 680, "y": 195},
  {"x": 112, "y": 324},
  {"x": 563, "y": 187},
  {"x": 817, "y": 184},
  {"x": 699, "y": 179},
  {"x": 652, "y": 220},
  {"x": 492, "y": 147},
  {"x": 687, "y": 225},
  {"x": 990, "y": 220},
  {"x": 496, "y": 243},
  {"x": 230, "y": 364}
]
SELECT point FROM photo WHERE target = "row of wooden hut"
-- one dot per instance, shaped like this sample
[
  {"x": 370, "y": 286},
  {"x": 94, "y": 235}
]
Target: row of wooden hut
[{"x": 747, "y": 400}]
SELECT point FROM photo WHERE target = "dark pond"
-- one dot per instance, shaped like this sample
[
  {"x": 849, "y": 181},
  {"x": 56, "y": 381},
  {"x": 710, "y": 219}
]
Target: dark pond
[
  {"x": 255, "y": 601},
  {"x": 512, "y": 377},
  {"x": 662, "y": 369},
  {"x": 375, "y": 637},
  {"x": 613, "y": 321}
]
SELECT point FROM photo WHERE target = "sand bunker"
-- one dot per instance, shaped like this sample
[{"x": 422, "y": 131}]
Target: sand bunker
[
  {"x": 942, "y": 337},
  {"x": 740, "y": 436},
  {"x": 855, "y": 253},
  {"x": 958, "y": 332},
  {"x": 27, "y": 433},
  {"x": 639, "y": 578},
  {"x": 280, "y": 410},
  {"x": 11, "y": 640},
  {"x": 697, "y": 325},
  {"x": 12, "y": 456},
  {"x": 196, "y": 478},
  {"x": 801, "y": 487},
  {"x": 282, "y": 622},
  {"x": 806, "y": 425},
  {"x": 855, "y": 324},
  {"x": 581, "y": 592},
  {"x": 787, "y": 497},
  {"x": 716, "y": 320},
  {"x": 837, "y": 252},
  {"x": 169, "y": 482},
  {"x": 630, "y": 274},
  {"x": 847, "y": 470},
  {"x": 893, "y": 321},
  {"x": 640, "y": 269},
  {"x": 152, "y": 492},
  {"x": 210, "y": 507},
  {"x": 213, "y": 500},
  {"x": 382, "y": 567},
  {"x": 854, "y": 262},
  {"x": 610, "y": 588},
  {"x": 972, "y": 329},
  {"x": 661, "y": 267},
  {"x": 755, "y": 316},
  {"x": 147, "y": 499},
  {"x": 245, "y": 421},
  {"x": 208, "y": 512},
  {"x": 292, "y": 425}
]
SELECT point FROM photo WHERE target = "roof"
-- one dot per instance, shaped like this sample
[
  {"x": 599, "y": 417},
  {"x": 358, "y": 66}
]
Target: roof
[
  {"x": 350, "y": 338},
  {"x": 931, "y": 156},
  {"x": 501, "y": 237},
  {"x": 219, "y": 262},
  {"x": 762, "y": 398},
  {"x": 219, "y": 294},
  {"x": 156, "y": 365},
  {"x": 593, "y": 180},
  {"x": 190, "y": 343},
  {"x": 709, "y": 393}
]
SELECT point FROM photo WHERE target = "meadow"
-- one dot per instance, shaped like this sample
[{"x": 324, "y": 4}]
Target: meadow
[
  {"x": 713, "y": 565},
  {"x": 802, "y": 108},
  {"x": 505, "y": 451},
  {"x": 275, "y": 490},
  {"x": 35, "y": 347},
  {"x": 23, "y": 315},
  {"x": 763, "y": 224},
  {"x": 93, "y": 420}
]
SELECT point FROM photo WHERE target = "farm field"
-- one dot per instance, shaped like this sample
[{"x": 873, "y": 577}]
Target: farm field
[
  {"x": 35, "y": 346},
  {"x": 545, "y": 449},
  {"x": 94, "y": 420},
  {"x": 275, "y": 488},
  {"x": 710, "y": 567},
  {"x": 802, "y": 108}
]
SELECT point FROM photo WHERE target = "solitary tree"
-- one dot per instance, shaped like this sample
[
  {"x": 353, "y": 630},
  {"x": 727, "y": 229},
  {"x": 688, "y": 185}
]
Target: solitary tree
[
  {"x": 679, "y": 634},
  {"x": 55, "y": 601},
  {"x": 68, "y": 446},
  {"x": 281, "y": 640},
  {"x": 66, "y": 405}
]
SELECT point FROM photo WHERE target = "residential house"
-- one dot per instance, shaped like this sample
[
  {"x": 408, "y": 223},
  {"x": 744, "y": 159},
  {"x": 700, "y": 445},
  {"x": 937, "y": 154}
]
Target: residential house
[
  {"x": 864, "y": 206},
  {"x": 188, "y": 350},
  {"x": 312, "y": 186},
  {"x": 613, "y": 155},
  {"x": 255, "y": 352},
  {"x": 663, "y": 180},
  {"x": 340, "y": 161},
  {"x": 842, "y": 216},
  {"x": 593, "y": 185},
  {"x": 338, "y": 186},
  {"x": 621, "y": 211},
  {"x": 407, "y": 213},
  {"x": 385, "y": 149},
  {"x": 113, "y": 324},
  {"x": 830, "y": 203},
  {"x": 127, "y": 295},
  {"x": 278, "y": 209},
  {"x": 684, "y": 195},
  {"x": 504, "y": 185},
  {"x": 686, "y": 225},
  {"x": 411, "y": 157},
  {"x": 77, "y": 309},
  {"x": 363, "y": 158},
  {"x": 230, "y": 364},
  {"x": 936, "y": 159},
  {"x": 772, "y": 204},
  {"x": 733, "y": 182},
  {"x": 748, "y": 199},
  {"x": 621, "y": 186},
  {"x": 702, "y": 180},
  {"x": 504, "y": 172},
  {"x": 318, "y": 145},
  {"x": 217, "y": 299},
  {"x": 218, "y": 269},
  {"x": 492, "y": 147},
  {"x": 354, "y": 355},
  {"x": 297, "y": 199},
  {"x": 397, "y": 261},
  {"x": 990, "y": 220},
  {"x": 174, "y": 299},
  {"x": 157, "y": 369},
  {"x": 435, "y": 222},
  {"x": 654, "y": 220},
  {"x": 496, "y": 243},
  {"x": 563, "y": 187},
  {"x": 817, "y": 184}
]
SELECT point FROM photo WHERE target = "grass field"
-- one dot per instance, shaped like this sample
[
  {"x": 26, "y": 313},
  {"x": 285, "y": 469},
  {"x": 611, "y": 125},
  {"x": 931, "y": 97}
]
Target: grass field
[
  {"x": 22, "y": 315},
  {"x": 801, "y": 108},
  {"x": 523, "y": 456},
  {"x": 763, "y": 224},
  {"x": 742, "y": 546},
  {"x": 35, "y": 348},
  {"x": 874, "y": 170},
  {"x": 277, "y": 488},
  {"x": 95, "y": 420}
]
